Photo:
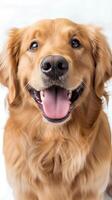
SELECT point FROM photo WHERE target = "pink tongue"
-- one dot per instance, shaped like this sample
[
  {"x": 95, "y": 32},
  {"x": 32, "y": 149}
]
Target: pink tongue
[{"x": 55, "y": 102}]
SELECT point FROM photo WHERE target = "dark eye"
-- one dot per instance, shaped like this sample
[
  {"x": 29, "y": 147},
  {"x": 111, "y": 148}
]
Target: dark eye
[
  {"x": 75, "y": 43},
  {"x": 33, "y": 46}
]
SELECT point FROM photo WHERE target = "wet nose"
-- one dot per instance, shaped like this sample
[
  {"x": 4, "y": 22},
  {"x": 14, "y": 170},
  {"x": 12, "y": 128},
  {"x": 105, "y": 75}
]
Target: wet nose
[{"x": 54, "y": 66}]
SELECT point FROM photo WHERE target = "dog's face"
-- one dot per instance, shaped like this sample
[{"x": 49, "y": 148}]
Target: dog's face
[{"x": 56, "y": 64}]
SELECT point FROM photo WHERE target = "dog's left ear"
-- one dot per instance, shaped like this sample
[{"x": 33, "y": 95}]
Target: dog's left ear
[
  {"x": 102, "y": 58},
  {"x": 3, "y": 71},
  {"x": 9, "y": 63}
]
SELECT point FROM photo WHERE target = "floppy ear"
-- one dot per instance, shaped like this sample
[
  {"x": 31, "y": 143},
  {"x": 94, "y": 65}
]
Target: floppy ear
[
  {"x": 3, "y": 71},
  {"x": 102, "y": 59},
  {"x": 9, "y": 66}
]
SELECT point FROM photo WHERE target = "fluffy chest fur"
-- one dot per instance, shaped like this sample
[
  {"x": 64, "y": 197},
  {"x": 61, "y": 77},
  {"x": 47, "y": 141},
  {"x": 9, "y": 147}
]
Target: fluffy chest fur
[
  {"x": 56, "y": 161},
  {"x": 59, "y": 159}
]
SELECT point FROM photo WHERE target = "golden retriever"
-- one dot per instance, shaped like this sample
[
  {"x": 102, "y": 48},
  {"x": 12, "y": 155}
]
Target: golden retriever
[{"x": 57, "y": 142}]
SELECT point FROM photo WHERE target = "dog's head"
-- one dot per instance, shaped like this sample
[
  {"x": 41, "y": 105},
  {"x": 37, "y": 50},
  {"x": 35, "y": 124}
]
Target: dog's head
[{"x": 56, "y": 64}]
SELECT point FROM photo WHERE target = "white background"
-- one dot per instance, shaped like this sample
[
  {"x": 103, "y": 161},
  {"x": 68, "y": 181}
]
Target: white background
[{"x": 19, "y": 13}]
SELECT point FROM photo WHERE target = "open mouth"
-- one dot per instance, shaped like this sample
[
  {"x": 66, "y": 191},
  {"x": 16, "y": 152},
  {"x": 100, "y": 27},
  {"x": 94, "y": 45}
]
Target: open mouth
[{"x": 56, "y": 102}]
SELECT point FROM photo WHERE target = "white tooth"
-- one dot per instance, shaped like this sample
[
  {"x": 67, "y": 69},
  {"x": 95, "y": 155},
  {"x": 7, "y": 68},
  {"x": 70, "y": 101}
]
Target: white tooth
[
  {"x": 78, "y": 90},
  {"x": 42, "y": 95},
  {"x": 69, "y": 94},
  {"x": 35, "y": 95}
]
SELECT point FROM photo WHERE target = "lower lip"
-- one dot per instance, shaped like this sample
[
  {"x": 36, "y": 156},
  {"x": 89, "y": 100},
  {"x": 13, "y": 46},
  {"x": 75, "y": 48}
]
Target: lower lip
[{"x": 57, "y": 120}]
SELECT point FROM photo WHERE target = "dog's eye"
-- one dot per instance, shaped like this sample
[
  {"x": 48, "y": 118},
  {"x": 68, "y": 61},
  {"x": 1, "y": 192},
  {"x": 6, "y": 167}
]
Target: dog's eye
[
  {"x": 75, "y": 43},
  {"x": 34, "y": 46}
]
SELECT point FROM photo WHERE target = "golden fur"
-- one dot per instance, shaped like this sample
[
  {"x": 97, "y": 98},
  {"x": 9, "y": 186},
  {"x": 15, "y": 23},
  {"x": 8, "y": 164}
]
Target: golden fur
[{"x": 70, "y": 161}]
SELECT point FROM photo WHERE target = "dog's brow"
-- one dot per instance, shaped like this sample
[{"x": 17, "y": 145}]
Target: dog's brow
[
  {"x": 37, "y": 32},
  {"x": 71, "y": 30}
]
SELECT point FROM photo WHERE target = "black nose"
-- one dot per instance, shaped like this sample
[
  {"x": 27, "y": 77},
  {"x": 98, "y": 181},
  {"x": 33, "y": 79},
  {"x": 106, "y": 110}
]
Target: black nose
[{"x": 54, "y": 66}]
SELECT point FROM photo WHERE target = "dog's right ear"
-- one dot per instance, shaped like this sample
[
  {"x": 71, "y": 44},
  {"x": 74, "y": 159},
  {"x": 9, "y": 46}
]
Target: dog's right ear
[{"x": 9, "y": 62}]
